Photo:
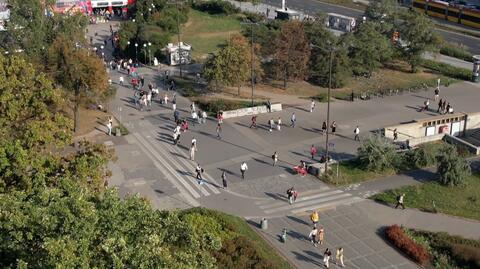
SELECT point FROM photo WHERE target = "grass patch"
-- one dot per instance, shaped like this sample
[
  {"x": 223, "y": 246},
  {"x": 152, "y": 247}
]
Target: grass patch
[
  {"x": 351, "y": 171},
  {"x": 457, "y": 51},
  {"x": 462, "y": 201},
  {"x": 447, "y": 251},
  {"x": 122, "y": 128},
  {"x": 205, "y": 32},
  {"x": 448, "y": 70},
  {"x": 253, "y": 247}
]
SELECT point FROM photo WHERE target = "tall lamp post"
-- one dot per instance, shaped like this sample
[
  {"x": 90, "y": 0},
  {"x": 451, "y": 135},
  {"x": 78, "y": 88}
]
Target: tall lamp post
[
  {"x": 252, "y": 57},
  {"x": 136, "y": 52},
  {"x": 145, "y": 49},
  {"x": 330, "y": 63},
  {"x": 178, "y": 34},
  {"x": 149, "y": 53}
]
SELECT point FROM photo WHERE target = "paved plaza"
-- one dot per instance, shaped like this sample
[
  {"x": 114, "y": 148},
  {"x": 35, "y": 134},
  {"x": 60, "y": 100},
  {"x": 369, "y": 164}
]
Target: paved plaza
[{"x": 150, "y": 165}]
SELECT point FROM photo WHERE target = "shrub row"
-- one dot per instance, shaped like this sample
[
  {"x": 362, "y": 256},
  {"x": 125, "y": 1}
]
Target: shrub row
[
  {"x": 448, "y": 70},
  {"x": 397, "y": 237},
  {"x": 212, "y": 106},
  {"x": 456, "y": 52},
  {"x": 216, "y": 7}
]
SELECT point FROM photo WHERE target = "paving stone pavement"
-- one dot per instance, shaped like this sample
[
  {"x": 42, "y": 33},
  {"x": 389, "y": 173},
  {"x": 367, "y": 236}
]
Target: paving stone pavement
[{"x": 346, "y": 226}]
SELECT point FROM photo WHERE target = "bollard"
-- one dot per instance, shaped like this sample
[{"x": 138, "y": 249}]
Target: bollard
[
  {"x": 264, "y": 224},
  {"x": 284, "y": 235}
]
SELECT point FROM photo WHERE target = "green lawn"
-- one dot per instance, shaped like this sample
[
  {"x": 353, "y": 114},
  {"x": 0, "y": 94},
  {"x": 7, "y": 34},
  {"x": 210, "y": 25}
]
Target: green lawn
[
  {"x": 458, "y": 201},
  {"x": 350, "y": 172},
  {"x": 205, "y": 32}
]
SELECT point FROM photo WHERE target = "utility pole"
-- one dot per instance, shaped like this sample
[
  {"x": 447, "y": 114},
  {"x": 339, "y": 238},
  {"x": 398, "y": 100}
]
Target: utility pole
[
  {"x": 179, "y": 44},
  {"x": 252, "y": 58},
  {"x": 328, "y": 107}
]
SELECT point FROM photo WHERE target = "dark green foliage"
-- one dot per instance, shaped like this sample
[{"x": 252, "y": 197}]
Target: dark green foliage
[
  {"x": 239, "y": 252},
  {"x": 448, "y": 70},
  {"x": 254, "y": 17},
  {"x": 324, "y": 41},
  {"x": 378, "y": 154},
  {"x": 397, "y": 237},
  {"x": 452, "y": 168},
  {"x": 420, "y": 157},
  {"x": 216, "y": 7},
  {"x": 215, "y": 105}
]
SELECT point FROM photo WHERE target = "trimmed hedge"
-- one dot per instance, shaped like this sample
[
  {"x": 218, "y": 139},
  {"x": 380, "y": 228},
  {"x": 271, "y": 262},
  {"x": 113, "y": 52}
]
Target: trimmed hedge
[
  {"x": 214, "y": 105},
  {"x": 216, "y": 7},
  {"x": 397, "y": 237},
  {"x": 448, "y": 70},
  {"x": 456, "y": 52}
]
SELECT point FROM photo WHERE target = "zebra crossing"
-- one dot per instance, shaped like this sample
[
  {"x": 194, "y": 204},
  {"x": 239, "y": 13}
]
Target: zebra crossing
[
  {"x": 179, "y": 171},
  {"x": 318, "y": 199}
]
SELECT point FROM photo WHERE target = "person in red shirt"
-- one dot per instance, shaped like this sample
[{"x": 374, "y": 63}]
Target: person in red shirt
[{"x": 313, "y": 151}]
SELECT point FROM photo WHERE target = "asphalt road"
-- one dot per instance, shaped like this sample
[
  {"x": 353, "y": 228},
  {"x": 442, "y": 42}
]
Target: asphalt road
[{"x": 312, "y": 7}]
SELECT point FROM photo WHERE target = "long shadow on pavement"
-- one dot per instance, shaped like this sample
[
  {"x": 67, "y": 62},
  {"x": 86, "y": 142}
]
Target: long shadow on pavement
[
  {"x": 301, "y": 257},
  {"x": 298, "y": 220}
]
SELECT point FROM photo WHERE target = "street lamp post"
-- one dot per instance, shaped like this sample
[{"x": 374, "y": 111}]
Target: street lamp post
[
  {"x": 178, "y": 34},
  {"x": 149, "y": 53},
  {"x": 145, "y": 49},
  {"x": 252, "y": 57},
  {"x": 136, "y": 52},
  {"x": 330, "y": 63}
]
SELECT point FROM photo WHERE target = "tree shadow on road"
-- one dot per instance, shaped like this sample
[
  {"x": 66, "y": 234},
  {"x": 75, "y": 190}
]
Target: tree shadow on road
[
  {"x": 301, "y": 257},
  {"x": 293, "y": 218},
  {"x": 276, "y": 196}
]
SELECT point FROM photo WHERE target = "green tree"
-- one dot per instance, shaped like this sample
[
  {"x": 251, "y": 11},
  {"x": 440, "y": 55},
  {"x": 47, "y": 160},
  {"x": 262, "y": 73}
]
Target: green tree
[
  {"x": 292, "y": 52},
  {"x": 378, "y": 154},
  {"x": 452, "y": 168},
  {"x": 416, "y": 33},
  {"x": 230, "y": 66},
  {"x": 80, "y": 73},
  {"x": 369, "y": 49}
]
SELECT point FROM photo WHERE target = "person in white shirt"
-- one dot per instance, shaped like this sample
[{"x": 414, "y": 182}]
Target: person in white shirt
[
  {"x": 313, "y": 236},
  {"x": 120, "y": 80},
  {"x": 356, "y": 132},
  {"x": 312, "y": 106},
  {"x": 109, "y": 126},
  {"x": 243, "y": 168},
  {"x": 204, "y": 116}
]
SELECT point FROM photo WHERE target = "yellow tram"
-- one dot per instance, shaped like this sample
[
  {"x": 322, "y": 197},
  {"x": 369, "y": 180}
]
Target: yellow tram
[{"x": 451, "y": 12}]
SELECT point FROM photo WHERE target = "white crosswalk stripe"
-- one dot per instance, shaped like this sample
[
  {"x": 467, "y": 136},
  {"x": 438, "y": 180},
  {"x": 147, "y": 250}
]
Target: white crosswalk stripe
[
  {"x": 179, "y": 171},
  {"x": 318, "y": 199}
]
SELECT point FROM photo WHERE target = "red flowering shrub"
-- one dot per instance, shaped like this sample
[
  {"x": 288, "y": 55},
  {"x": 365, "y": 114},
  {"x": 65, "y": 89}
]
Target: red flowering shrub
[{"x": 397, "y": 237}]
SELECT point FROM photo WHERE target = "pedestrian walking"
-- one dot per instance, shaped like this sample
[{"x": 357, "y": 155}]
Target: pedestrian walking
[
  {"x": 279, "y": 124},
  {"x": 254, "y": 122},
  {"x": 199, "y": 117},
  {"x": 400, "y": 201},
  {"x": 321, "y": 235},
  {"x": 436, "y": 93},
  {"x": 194, "y": 117},
  {"x": 270, "y": 124},
  {"x": 165, "y": 99},
  {"x": 339, "y": 257},
  {"x": 269, "y": 106},
  {"x": 324, "y": 127},
  {"x": 176, "y": 135},
  {"x": 194, "y": 143},
  {"x": 326, "y": 258},
  {"x": 120, "y": 80},
  {"x": 293, "y": 119},
  {"x": 426, "y": 103},
  {"x": 176, "y": 115},
  {"x": 440, "y": 104},
  {"x": 313, "y": 236},
  {"x": 224, "y": 180},
  {"x": 243, "y": 169},
  {"x": 275, "y": 158},
  {"x": 199, "y": 170},
  {"x": 395, "y": 134},
  {"x": 204, "y": 117},
  {"x": 334, "y": 127},
  {"x": 192, "y": 107},
  {"x": 290, "y": 195},
  {"x": 149, "y": 98},
  {"x": 219, "y": 131},
  {"x": 312, "y": 106},
  {"x": 314, "y": 218},
  {"x": 356, "y": 132},
  {"x": 109, "y": 126},
  {"x": 220, "y": 117},
  {"x": 142, "y": 81},
  {"x": 174, "y": 106},
  {"x": 313, "y": 151},
  {"x": 192, "y": 153}
]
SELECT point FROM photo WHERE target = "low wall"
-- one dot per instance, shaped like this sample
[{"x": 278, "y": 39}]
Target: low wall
[
  {"x": 412, "y": 142},
  {"x": 250, "y": 111},
  {"x": 457, "y": 141}
]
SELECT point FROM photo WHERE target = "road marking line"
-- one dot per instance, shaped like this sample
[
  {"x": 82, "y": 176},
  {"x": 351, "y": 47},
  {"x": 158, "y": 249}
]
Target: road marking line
[
  {"x": 167, "y": 156},
  {"x": 186, "y": 162},
  {"x": 346, "y": 201},
  {"x": 312, "y": 202},
  {"x": 179, "y": 186}
]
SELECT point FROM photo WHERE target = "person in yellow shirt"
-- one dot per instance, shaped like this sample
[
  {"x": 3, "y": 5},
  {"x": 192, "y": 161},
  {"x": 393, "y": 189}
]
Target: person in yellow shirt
[{"x": 314, "y": 217}]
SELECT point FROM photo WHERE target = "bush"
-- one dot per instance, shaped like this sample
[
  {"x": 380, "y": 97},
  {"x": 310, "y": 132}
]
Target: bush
[
  {"x": 321, "y": 97},
  {"x": 456, "y": 52},
  {"x": 378, "y": 154},
  {"x": 453, "y": 169},
  {"x": 254, "y": 17},
  {"x": 239, "y": 252},
  {"x": 466, "y": 255},
  {"x": 423, "y": 156},
  {"x": 448, "y": 70},
  {"x": 215, "y": 105},
  {"x": 216, "y": 7},
  {"x": 397, "y": 237}
]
